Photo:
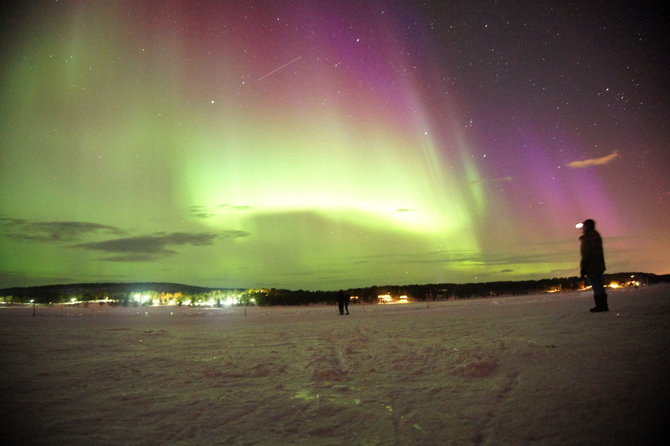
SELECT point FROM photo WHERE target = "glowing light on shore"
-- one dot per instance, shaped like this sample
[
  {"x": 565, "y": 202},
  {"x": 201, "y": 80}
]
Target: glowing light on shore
[{"x": 389, "y": 299}]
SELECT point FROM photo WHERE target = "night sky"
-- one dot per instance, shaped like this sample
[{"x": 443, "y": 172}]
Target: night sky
[{"x": 330, "y": 144}]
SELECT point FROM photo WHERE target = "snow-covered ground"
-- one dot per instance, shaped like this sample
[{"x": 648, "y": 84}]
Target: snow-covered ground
[{"x": 499, "y": 371}]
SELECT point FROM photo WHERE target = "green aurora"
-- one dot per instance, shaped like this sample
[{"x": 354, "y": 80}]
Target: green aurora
[{"x": 230, "y": 146}]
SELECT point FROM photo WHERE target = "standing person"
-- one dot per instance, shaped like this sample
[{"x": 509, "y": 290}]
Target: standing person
[
  {"x": 592, "y": 264},
  {"x": 343, "y": 302}
]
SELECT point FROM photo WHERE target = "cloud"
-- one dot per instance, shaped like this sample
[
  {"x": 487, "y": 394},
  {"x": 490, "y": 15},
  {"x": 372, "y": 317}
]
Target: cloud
[
  {"x": 11, "y": 279},
  {"x": 131, "y": 258},
  {"x": 148, "y": 247},
  {"x": 199, "y": 211},
  {"x": 467, "y": 257},
  {"x": 234, "y": 234},
  {"x": 53, "y": 231},
  {"x": 143, "y": 248},
  {"x": 203, "y": 215},
  {"x": 235, "y": 207},
  {"x": 595, "y": 161}
]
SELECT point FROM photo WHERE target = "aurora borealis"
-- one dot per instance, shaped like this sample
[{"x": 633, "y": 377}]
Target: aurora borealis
[{"x": 330, "y": 144}]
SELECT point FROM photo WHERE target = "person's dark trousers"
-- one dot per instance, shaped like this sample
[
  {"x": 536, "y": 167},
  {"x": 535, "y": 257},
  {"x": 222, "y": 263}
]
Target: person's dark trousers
[{"x": 599, "y": 294}]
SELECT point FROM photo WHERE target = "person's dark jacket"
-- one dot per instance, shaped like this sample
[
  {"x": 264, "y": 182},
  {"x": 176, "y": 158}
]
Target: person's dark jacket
[{"x": 593, "y": 258}]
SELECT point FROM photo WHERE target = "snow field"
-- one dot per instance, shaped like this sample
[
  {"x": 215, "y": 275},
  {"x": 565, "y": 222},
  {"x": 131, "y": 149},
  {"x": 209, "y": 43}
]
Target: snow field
[{"x": 534, "y": 369}]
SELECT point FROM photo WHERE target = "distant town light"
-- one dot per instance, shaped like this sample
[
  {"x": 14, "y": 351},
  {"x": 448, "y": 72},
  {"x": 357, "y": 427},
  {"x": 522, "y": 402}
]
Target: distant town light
[
  {"x": 384, "y": 298},
  {"x": 388, "y": 299}
]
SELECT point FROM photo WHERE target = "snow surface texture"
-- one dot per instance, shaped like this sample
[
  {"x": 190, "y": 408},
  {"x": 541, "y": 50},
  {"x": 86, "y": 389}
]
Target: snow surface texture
[{"x": 513, "y": 370}]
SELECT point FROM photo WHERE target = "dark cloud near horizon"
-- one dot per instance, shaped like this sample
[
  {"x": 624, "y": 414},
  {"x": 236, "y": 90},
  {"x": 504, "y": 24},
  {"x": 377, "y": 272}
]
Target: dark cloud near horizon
[
  {"x": 200, "y": 211},
  {"x": 234, "y": 234},
  {"x": 471, "y": 257},
  {"x": 154, "y": 244},
  {"x": 202, "y": 214},
  {"x": 235, "y": 207},
  {"x": 24, "y": 279},
  {"x": 131, "y": 258},
  {"x": 76, "y": 231},
  {"x": 53, "y": 231},
  {"x": 147, "y": 248}
]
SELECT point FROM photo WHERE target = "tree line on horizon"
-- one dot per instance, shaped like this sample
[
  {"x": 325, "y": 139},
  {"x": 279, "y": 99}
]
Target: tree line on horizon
[{"x": 122, "y": 294}]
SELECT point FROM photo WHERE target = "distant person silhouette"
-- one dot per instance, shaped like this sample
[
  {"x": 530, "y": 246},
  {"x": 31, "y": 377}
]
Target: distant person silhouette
[
  {"x": 592, "y": 264},
  {"x": 343, "y": 302}
]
